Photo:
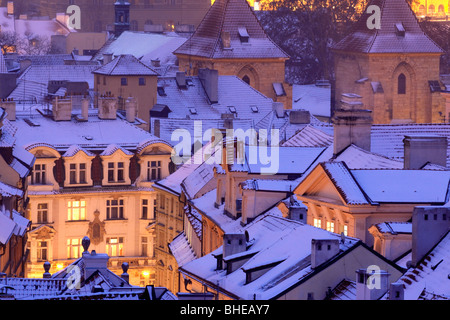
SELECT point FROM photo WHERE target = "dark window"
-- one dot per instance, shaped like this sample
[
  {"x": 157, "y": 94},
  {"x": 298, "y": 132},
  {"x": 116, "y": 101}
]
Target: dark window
[
  {"x": 142, "y": 81},
  {"x": 144, "y": 208},
  {"x": 123, "y": 81},
  {"x": 401, "y": 84},
  {"x": 246, "y": 79},
  {"x": 111, "y": 172},
  {"x": 120, "y": 176}
]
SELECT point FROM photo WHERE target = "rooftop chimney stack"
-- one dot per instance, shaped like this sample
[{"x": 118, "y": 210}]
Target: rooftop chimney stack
[
  {"x": 421, "y": 150},
  {"x": 352, "y": 124},
  {"x": 323, "y": 250},
  {"x": 62, "y": 109},
  {"x": 130, "y": 109},
  {"x": 85, "y": 108},
  {"x": 371, "y": 284},
  {"x": 210, "y": 81},
  {"x": 107, "y": 58},
  {"x": 10, "y": 8},
  {"x": 93, "y": 261},
  {"x": 107, "y": 109},
  {"x": 396, "y": 291}
]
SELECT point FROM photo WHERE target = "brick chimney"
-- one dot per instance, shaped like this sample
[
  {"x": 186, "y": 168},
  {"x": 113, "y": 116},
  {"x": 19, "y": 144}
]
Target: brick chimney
[
  {"x": 352, "y": 124},
  {"x": 420, "y": 150}
]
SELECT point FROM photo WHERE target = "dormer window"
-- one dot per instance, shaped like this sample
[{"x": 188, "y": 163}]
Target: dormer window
[
  {"x": 77, "y": 173},
  {"x": 153, "y": 170},
  {"x": 243, "y": 34},
  {"x": 116, "y": 172},
  {"x": 400, "y": 29},
  {"x": 39, "y": 174}
]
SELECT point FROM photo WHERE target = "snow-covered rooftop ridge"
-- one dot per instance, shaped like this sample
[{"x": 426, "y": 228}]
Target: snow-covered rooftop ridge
[
  {"x": 92, "y": 135},
  {"x": 395, "y": 227},
  {"x": 74, "y": 149},
  {"x": 126, "y": 64}
]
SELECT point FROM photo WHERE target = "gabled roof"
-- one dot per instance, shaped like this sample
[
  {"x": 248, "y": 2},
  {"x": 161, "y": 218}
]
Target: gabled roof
[
  {"x": 126, "y": 65},
  {"x": 396, "y": 15},
  {"x": 236, "y": 18}
]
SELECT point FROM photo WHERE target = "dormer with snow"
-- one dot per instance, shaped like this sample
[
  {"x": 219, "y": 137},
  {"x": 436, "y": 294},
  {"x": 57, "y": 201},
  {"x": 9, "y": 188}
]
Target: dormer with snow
[{"x": 116, "y": 165}]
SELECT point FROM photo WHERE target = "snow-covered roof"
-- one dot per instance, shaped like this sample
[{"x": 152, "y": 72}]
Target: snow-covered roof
[
  {"x": 144, "y": 46},
  {"x": 394, "y": 227},
  {"x": 394, "y": 15},
  {"x": 94, "y": 134},
  {"x": 237, "y": 19},
  {"x": 181, "y": 249},
  {"x": 429, "y": 279},
  {"x": 9, "y": 191},
  {"x": 366, "y": 186},
  {"x": 125, "y": 65},
  {"x": 315, "y": 99},
  {"x": 271, "y": 239}
]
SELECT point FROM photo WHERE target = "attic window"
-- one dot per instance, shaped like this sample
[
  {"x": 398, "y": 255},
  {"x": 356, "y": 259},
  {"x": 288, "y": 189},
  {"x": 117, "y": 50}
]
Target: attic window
[
  {"x": 193, "y": 110},
  {"x": 254, "y": 109},
  {"x": 243, "y": 34},
  {"x": 232, "y": 109},
  {"x": 161, "y": 91},
  {"x": 399, "y": 29}
]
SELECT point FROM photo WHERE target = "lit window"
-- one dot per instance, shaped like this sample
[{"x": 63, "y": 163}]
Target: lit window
[
  {"x": 114, "y": 209},
  {"x": 74, "y": 248},
  {"x": 42, "y": 251},
  {"x": 114, "y": 247},
  {"x": 76, "y": 210},
  {"x": 153, "y": 170},
  {"x": 42, "y": 213},
  {"x": 330, "y": 226},
  {"x": 38, "y": 176},
  {"x": 345, "y": 230},
  {"x": 317, "y": 223}
]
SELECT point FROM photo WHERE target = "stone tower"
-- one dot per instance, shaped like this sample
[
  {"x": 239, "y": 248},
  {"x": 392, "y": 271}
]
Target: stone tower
[
  {"x": 230, "y": 39},
  {"x": 392, "y": 64}
]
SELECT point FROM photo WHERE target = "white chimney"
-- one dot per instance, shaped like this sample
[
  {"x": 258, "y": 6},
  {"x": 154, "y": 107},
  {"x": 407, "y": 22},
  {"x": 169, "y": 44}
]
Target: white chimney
[
  {"x": 130, "y": 109},
  {"x": 85, "y": 108},
  {"x": 323, "y": 250},
  {"x": 371, "y": 283},
  {"x": 396, "y": 291}
]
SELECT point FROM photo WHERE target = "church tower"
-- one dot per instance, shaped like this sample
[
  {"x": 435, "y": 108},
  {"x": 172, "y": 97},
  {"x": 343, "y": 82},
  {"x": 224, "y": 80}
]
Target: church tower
[
  {"x": 230, "y": 39},
  {"x": 392, "y": 64},
  {"x": 122, "y": 17}
]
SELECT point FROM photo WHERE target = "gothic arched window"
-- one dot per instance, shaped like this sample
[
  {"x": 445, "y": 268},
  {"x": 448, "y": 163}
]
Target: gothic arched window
[
  {"x": 246, "y": 79},
  {"x": 401, "y": 88}
]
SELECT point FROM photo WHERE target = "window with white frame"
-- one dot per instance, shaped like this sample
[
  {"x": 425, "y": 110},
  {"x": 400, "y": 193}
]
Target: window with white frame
[
  {"x": 42, "y": 213},
  {"x": 114, "y": 246},
  {"x": 116, "y": 172},
  {"x": 145, "y": 207},
  {"x": 153, "y": 170},
  {"x": 39, "y": 174},
  {"x": 317, "y": 223},
  {"x": 345, "y": 230},
  {"x": 76, "y": 210},
  {"x": 74, "y": 248},
  {"x": 330, "y": 226},
  {"x": 114, "y": 209},
  {"x": 77, "y": 173},
  {"x": 42, "y": 251}
]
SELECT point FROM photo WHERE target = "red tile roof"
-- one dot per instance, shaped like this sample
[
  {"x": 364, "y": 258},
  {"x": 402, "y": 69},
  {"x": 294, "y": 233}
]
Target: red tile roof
[
  {"x": 386, "y": 39},
  {"x": 230, "y": 16}
]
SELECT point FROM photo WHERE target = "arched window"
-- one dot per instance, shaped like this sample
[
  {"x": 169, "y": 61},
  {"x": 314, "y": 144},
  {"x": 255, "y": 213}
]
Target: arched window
[
  {"x": 401, "y": 88},
  {"x": 422, "y": 10},
  {"x": 431, "y": 9},
  {"x": 441, "y": 9},
  {"x": 246, "y": 79}
]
